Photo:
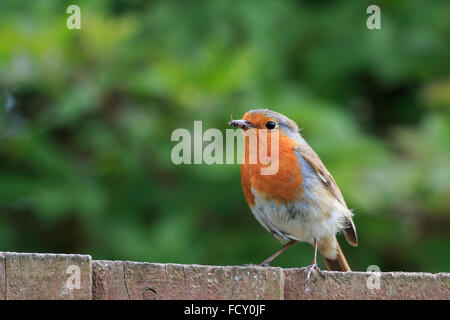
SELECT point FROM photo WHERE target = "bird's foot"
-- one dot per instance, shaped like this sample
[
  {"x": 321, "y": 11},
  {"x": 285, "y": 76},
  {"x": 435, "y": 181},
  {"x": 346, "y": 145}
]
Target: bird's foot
[
  {"x": 311, "y": 268},
  {"x": 263, "y": 264},
  {"x": 249, "y": 265}
]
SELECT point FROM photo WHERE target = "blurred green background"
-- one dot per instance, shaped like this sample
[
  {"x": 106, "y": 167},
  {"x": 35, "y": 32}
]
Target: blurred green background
[{"x": 86, "y": 118}]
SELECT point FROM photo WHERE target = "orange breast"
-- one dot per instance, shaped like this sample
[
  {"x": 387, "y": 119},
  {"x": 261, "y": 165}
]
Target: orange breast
[{"x": 283, "y": 186}]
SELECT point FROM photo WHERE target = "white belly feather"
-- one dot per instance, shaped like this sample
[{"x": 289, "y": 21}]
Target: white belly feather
[{"x": 314, "y": 215}]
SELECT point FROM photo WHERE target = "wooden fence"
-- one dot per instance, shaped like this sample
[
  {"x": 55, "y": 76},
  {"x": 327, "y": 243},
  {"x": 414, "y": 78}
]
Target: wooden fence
[{"x": 70, "y": 276}]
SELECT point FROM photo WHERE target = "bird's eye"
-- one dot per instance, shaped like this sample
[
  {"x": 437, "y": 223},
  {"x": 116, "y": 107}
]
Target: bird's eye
[{"x": 270, "y": 125}]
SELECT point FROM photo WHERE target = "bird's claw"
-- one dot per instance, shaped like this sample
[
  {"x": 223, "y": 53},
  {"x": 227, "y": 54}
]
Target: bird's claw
[
  {"x": 263, "y": 264},
  {"x": 311, "y": 268},
  {"x": 249, "y": 265}
]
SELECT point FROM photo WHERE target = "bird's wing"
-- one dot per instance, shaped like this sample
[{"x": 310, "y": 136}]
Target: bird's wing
[{"x": 327, "y": 179}]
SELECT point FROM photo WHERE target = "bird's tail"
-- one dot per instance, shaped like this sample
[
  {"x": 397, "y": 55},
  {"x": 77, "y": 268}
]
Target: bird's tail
[{"x": 337, "y": 264}]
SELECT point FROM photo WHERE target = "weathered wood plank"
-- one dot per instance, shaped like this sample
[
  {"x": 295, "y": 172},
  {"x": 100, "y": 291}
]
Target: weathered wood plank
[
  {"x": 2, "y": 276},
  {"x": 34, "y": 276},
  {"x": 136, "y": 281},
  {"x": 364, "y": 285}
]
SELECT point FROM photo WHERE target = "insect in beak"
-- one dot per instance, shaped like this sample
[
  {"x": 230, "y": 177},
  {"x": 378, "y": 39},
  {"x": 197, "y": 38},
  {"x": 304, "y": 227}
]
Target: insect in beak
[{"x": 243, "y": 124}]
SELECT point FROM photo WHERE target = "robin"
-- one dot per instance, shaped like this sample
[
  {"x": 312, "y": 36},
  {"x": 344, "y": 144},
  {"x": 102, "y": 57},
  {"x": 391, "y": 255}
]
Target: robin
[{"x": 300, "y": 201}]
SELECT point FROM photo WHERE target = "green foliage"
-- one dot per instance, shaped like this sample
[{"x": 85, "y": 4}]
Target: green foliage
[{"x": 86, "y": 118}]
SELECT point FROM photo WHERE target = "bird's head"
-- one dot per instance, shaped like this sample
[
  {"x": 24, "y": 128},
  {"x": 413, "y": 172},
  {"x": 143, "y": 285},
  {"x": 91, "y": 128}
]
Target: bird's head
[{"x": 266, "y": 119}]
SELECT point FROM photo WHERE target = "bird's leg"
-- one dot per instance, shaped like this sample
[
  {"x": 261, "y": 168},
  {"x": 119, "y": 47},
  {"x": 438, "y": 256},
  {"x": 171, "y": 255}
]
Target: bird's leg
[
  {"x": 313, "y": 265},
  {"x": 266, "y": 262}
]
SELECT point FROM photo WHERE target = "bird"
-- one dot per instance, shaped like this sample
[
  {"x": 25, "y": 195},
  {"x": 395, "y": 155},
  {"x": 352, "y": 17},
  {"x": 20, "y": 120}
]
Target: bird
[{"x": 301, "y": 201}]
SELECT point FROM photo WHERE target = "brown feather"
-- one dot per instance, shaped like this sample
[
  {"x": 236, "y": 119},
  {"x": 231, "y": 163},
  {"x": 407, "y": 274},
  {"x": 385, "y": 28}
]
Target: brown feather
[
  {"x": 350, "y": 233},
  {"x": 327, "y": 179},
  {"x": 338, "y": 264}
]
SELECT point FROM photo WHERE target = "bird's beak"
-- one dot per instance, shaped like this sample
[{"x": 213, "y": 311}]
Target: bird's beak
[{"x": 243, "y": 124}]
